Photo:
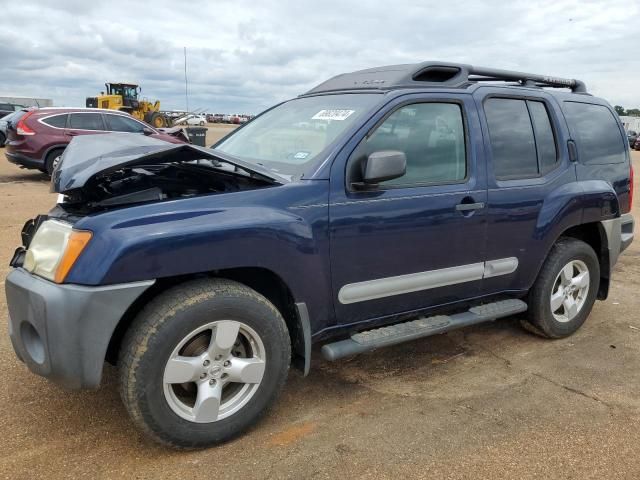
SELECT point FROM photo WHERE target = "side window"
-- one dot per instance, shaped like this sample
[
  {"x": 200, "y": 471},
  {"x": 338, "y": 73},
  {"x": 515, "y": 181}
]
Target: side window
[
  {"x": 86, "y": 121},
  {"x": 120, "y": 123},
  {"x": 545, "y": 141},
  {"x": 521, "y": 137},
  {"x": 596, "y": 133},
  {"x": 432, "y": 137},
  {"x": 511, "y": 136},
  {"x": 58, "y": 121}
]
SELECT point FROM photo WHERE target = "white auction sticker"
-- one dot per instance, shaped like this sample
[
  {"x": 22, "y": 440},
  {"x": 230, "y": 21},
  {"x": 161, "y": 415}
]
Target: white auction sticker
[{"x": 332, "y": 115}]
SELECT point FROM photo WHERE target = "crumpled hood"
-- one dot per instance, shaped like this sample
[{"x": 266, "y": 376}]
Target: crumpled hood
[{"x": 90, "y": 155}]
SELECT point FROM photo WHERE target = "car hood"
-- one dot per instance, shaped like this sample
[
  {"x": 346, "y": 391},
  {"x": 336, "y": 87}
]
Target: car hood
[{"x": 88, "y": 156}]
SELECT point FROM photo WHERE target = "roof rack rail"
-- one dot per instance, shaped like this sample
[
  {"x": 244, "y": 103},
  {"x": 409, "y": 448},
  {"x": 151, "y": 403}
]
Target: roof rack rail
[{"x": 439, "y": 74}]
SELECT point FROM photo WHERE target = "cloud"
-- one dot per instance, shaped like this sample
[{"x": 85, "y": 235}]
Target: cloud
[{"x": 243, "y": 56}]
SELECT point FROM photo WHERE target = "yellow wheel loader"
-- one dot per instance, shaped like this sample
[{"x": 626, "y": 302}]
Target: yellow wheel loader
[{"x": 125, "y": 97}]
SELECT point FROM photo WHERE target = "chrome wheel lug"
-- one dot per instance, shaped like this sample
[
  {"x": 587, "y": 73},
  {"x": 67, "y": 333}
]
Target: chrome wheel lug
[
  {"x": 212, "y": 382},
  {"x": 227, "y": 363},
  {"x": 206, "y": 363},
  {"x": 203, "y": 375}
]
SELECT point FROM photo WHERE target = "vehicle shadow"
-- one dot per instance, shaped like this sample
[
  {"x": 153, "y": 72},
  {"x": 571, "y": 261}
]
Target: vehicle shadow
[{"x": 24, "y": 176}]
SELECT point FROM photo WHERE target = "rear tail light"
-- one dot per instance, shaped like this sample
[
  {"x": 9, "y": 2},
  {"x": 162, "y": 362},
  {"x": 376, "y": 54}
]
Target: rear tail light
[
  {"x": 630, "y": 185},
  {"x": 22, "y": 128}
]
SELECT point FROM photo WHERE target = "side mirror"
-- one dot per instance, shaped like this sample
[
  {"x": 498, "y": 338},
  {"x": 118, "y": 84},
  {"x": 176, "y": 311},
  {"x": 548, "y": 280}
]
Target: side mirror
[
  {"x": 147, "y": 131},
  {"x": 383, "y": 165}
]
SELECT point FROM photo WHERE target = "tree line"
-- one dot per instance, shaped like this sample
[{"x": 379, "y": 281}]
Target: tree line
[{"x": 632, "y": 112}]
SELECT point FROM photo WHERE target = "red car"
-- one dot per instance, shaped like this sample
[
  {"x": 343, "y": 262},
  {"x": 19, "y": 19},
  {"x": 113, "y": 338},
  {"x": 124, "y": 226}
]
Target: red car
[{"x": 37, "y": 137}]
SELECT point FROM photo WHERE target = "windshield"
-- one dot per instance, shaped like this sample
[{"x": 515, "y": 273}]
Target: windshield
[
  {"x": 130, "y": 92},
  {"x": 289, "y": 137}
]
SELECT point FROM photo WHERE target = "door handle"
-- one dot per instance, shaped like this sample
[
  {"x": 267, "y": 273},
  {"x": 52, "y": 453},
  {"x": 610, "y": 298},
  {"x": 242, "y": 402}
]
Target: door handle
[{"x": 465, "y": 207}]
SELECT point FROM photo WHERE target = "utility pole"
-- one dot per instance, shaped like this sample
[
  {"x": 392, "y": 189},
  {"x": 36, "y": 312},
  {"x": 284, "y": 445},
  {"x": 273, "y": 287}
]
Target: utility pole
[{"x": 186, "y": 84}]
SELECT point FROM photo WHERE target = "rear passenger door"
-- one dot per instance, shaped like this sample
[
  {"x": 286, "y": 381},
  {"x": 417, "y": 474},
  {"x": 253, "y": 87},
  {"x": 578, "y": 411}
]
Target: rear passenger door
[
  {"x": 120, "y": 123},
  {"x": 84, "y": 123},
  {"x": 529, "y": 174}
]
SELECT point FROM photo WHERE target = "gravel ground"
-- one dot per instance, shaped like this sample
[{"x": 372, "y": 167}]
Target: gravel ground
[{"x": 486, "y": 402}]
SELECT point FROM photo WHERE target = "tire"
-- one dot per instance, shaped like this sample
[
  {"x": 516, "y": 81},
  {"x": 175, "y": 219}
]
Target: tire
[
  {"x": 156, "y": 120},
  {"x": 202, "y": 124},
  {"x": 154, "y": 391},
  {"x": 573, "y": 294},
  {"x": 2, "y": 139},
  {"x": 49, "y": 161}
]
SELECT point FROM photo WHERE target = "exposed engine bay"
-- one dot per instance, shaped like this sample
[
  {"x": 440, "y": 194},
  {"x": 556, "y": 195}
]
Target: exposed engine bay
[
  {"x": 102, "y": 172},
  {"x": 158, "y": 182}
]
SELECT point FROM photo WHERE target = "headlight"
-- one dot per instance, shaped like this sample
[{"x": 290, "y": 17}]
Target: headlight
[{"x": 54, "y": 249}]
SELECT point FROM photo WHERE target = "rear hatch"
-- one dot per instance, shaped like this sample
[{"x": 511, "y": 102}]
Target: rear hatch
[{"x": 12, "y": 133}]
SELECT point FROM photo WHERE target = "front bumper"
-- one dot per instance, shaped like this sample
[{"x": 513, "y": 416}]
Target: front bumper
[{"x": 62, "y": 331}]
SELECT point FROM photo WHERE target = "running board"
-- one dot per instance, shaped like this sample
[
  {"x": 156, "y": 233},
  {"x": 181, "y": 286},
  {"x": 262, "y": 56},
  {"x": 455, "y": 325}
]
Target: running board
[{"x": 422, "y": 327}]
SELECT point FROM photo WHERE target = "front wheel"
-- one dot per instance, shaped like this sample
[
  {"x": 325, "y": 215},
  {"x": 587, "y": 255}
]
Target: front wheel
[
  {"x": 566, "y": 288},
  {"x": 203, "y": 362}
]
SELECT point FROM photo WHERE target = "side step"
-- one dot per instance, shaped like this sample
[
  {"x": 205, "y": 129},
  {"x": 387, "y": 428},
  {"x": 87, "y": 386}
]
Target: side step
[{"x": 422, "y": 327}]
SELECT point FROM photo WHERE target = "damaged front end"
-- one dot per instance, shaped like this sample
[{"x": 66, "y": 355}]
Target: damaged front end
[{"x": 100, "y": 172}]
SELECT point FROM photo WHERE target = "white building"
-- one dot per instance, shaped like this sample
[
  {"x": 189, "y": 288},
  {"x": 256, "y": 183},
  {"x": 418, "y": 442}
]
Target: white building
[
  {"x": 630, "y": 123},
  {"x": 27, "y": 101}
]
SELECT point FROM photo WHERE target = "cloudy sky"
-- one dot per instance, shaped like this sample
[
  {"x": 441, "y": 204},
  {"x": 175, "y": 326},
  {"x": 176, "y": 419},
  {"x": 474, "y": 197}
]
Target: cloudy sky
[{"x": 246, "y": 55}]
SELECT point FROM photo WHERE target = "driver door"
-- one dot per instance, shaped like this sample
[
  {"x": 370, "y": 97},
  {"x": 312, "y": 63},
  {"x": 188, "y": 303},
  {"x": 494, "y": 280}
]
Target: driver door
[{"x": 416, "y": 241}]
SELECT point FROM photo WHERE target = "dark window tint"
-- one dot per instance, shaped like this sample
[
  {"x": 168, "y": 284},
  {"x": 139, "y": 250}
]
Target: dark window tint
[
  {"x": 6, "y": 106},
  {"x": 511, "y": 134},
  {"x": 432, "y": 137},
  {"x": 120, "y": 123},
  {"x": 545, "y": 141},
  {"x": 86, "y": 121},
  {"x": 58, "y": 121},
  {"x": 596, "y": 133}
]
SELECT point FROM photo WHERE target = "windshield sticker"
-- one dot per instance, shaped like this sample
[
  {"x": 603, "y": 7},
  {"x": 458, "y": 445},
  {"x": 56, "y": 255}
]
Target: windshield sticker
[
  {"x": 301, "y": 155},
  {"x": 332, "y": 115}
]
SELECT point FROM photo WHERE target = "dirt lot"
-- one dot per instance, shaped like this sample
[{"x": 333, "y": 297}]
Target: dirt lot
[{"x": 487, "y": 402}]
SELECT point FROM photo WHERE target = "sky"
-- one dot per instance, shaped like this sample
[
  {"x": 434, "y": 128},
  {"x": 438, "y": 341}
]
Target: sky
[{"x": 243, "y": 56}]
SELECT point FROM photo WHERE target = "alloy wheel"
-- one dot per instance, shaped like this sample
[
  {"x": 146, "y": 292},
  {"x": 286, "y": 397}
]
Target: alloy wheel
[
  {"x": 570, "y": 290},
  {"x": 214, "y": 371}
]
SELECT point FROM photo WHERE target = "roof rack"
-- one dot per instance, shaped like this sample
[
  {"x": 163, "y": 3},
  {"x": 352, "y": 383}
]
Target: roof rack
[{"x": 439, "y": 74}]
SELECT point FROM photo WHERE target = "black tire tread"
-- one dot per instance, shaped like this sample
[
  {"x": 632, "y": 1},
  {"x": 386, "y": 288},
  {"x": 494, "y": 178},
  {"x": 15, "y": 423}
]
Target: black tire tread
[{"x": 48, "y": 161}]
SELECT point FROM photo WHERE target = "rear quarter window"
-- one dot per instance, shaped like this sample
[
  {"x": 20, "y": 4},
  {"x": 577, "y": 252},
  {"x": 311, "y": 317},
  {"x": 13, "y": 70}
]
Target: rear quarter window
[
  {"x": 58, "y": 121},
  {"x": 596, "y": 133}
]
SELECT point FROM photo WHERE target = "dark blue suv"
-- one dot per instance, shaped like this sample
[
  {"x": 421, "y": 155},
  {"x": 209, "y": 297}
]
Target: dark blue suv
[{"x": 382, "y": 206}]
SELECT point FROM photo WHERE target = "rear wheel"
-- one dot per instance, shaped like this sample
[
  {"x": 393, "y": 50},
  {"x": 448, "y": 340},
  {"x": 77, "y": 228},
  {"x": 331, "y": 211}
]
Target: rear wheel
[
  {"x": 2, "y": 139},
  {"x": 565, "y": 290},
  {"x": 203, "y": 362},
  {"x": 51, "y": 160}
]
